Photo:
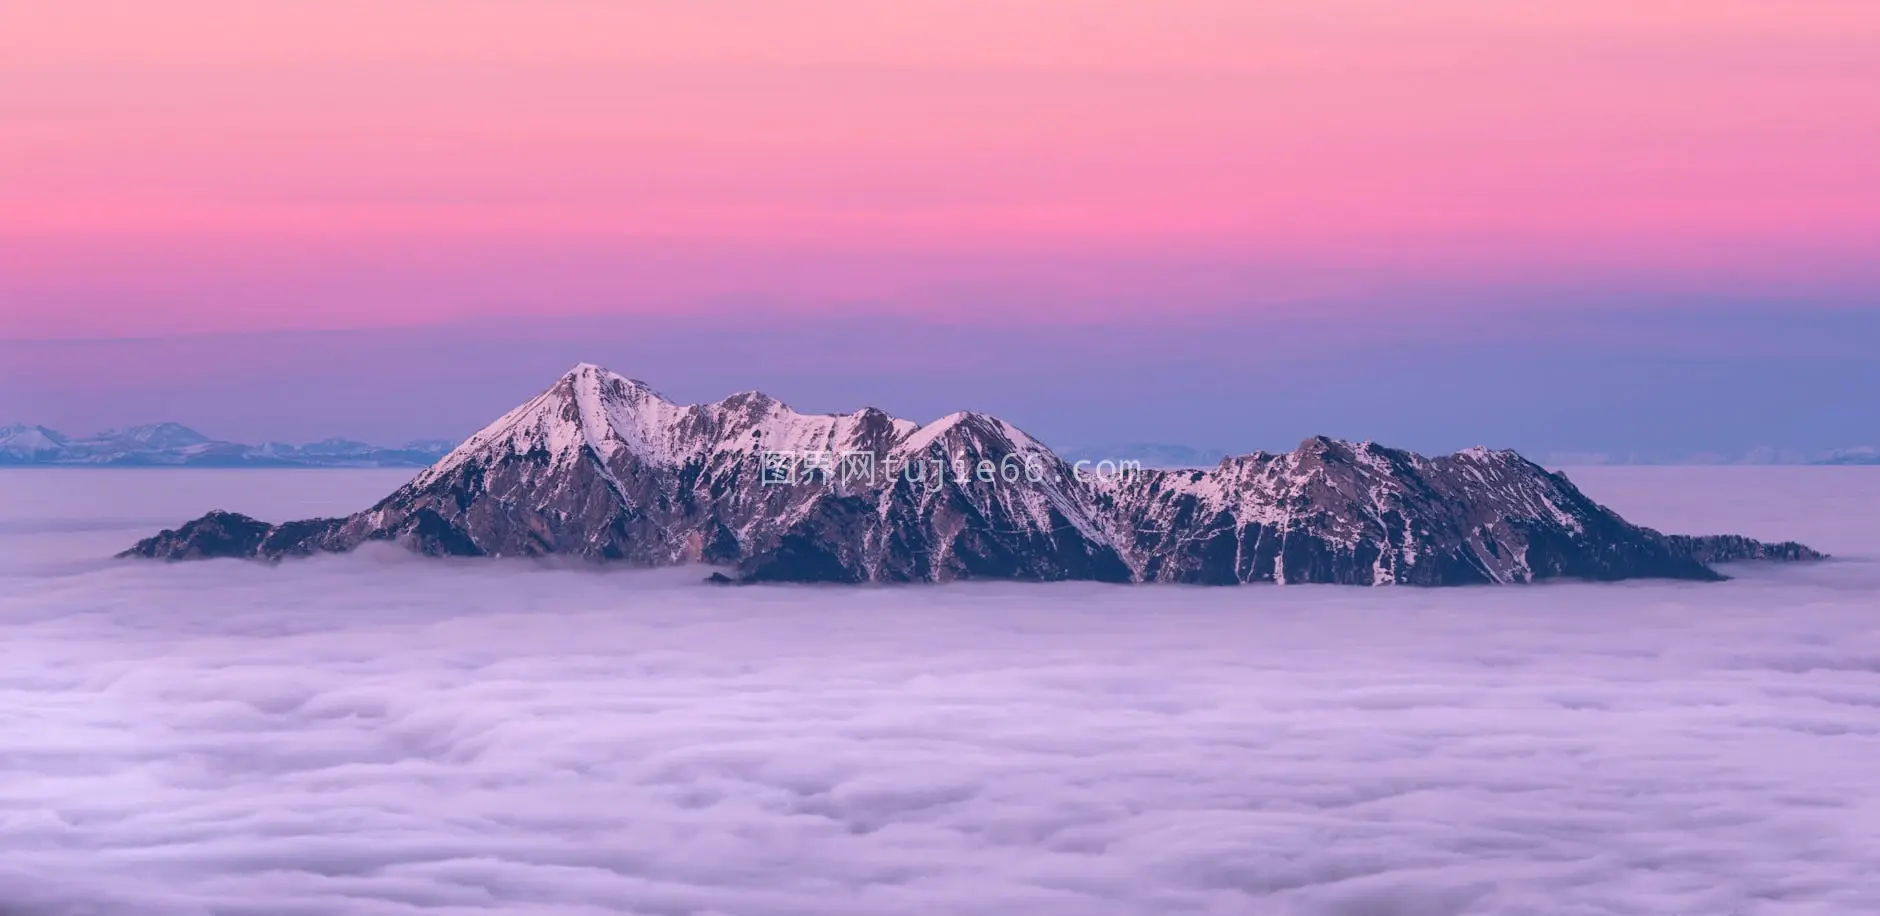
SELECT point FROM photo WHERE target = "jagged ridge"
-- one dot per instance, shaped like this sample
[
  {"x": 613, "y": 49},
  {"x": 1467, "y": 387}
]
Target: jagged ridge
[{"x": 602, "y": 466}]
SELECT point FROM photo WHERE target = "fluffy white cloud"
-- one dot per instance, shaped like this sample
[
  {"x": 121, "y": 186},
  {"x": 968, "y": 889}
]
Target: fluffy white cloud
[{"x": 380, "y": 734}]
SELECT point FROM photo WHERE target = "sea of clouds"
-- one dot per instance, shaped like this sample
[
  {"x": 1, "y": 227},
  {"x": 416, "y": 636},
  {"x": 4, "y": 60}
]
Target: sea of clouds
[{"x": 385, "y": 734}]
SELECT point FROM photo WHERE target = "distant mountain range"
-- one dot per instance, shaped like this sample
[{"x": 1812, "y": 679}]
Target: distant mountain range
[
  {"x": 176, "y": 445},
  {"x": 1859, "y": 455},
  {"x": 1863, "y": 455},
  {"x": 600, "y": 466}
]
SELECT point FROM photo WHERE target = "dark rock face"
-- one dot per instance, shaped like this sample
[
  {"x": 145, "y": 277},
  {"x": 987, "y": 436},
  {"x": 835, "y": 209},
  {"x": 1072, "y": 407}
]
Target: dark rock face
[
  {"x": 1731, "y": 548},
  {"x": 218, "y": 534},
  {"x": 231, "y": 534},
  {"x": 599, "y": 466},
  {"x": 1363, "y": 514}
]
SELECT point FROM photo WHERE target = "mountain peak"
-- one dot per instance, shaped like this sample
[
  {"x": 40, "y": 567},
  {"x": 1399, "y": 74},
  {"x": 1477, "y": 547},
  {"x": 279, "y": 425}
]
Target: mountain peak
[
  {"x": 158, "y": 435},
  {"x": 598, "y": 465},
  {"x": 590, "y": 376},
  {"x": 978, "y": 426},
  {"x": 29, "y": 443},
  {"x": 751, "y": 402},
  {"x": 590, "y": 408},
  {"x": 581, "y": 370}
]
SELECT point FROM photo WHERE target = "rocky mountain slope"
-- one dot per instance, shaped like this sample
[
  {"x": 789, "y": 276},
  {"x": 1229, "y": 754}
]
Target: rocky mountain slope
[
  {"x": 176, "y": 445},
  {"x": 603, "y": 467}
]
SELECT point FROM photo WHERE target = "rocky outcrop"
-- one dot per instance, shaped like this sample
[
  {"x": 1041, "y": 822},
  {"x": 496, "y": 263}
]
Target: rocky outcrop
[
  {"x": 600, "y": 466},
  {"x": 1732, "y": 548}
]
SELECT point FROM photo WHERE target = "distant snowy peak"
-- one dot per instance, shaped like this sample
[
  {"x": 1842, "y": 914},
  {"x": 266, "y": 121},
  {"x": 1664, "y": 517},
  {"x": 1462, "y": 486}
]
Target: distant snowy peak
[
  {"x": 1759, "y": 456},
  {"x": 30, "y": 443},
  {"x": 1864, "y": 454},
  {"x": 176, "y": 445},
  {"x": 156, "y": 443},
  {"x": 157, "y": 436}
]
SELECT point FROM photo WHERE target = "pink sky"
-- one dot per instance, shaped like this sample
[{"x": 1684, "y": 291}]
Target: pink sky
[{"x": 220, "y": 166}]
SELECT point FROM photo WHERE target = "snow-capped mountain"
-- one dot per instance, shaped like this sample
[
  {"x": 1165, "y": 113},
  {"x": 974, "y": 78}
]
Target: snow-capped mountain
[
  {"x": 1361, "y": 513},
  {"x": 21, "y": 444},
  {"x": 176, "y": 445},
  {"x": 601, "y": 466}
]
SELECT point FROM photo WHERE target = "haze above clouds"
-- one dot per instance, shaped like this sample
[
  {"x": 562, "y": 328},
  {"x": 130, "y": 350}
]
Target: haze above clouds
[{"x": 383, "y": 734}]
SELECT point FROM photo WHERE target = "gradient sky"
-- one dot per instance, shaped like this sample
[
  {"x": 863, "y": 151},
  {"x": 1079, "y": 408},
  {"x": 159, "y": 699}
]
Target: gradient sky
[{"x": 1388, "y": 187}]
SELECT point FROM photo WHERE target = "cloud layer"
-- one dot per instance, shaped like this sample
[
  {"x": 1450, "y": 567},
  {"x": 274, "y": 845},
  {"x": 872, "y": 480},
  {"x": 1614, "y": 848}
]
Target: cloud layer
[{"x": 380, "y": 734}]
